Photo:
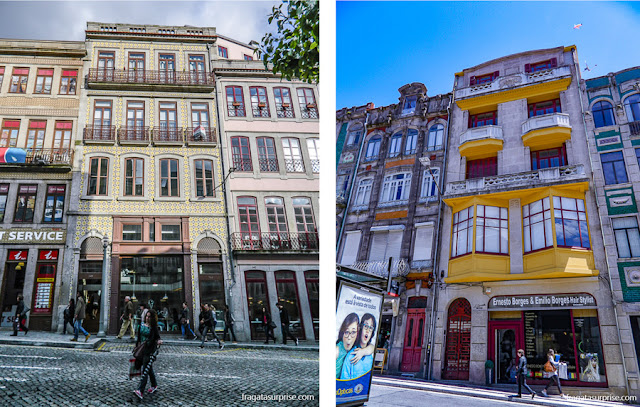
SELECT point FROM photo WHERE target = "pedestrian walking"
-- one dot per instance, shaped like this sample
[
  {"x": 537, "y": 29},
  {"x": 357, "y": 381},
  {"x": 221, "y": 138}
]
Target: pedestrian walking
[
  {"x": 522, "y": 373},
  {"x": 552, "y": 367},
  {"x": 207, "y": 322},
  {"x": 184, "y": 322},
  {"x": 79, "y": 316},
  {"x": 68, "y": 316},
  {"x": 127, "y": 319},
  {"x": 149, "y": 334},
  {"x": 228, "y": 325},
  {"x": 268, "y": 325},
  {"x": 21, "y": 313},
  {"x": 284, "y": 321}
]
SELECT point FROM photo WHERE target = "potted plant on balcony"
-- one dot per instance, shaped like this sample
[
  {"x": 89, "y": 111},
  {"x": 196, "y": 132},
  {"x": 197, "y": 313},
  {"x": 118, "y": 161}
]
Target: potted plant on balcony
[
  {"x": 285, "y": 105},
  {"x": 262, "y": 104}
]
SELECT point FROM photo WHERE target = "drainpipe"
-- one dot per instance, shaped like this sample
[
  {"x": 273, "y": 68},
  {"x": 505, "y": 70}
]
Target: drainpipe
[
  {"x": 613, "y": 301},
  {"x": 436, "y": 263}
]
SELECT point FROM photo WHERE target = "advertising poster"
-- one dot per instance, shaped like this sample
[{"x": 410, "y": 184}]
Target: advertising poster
[{"x": 358, "y": 313}]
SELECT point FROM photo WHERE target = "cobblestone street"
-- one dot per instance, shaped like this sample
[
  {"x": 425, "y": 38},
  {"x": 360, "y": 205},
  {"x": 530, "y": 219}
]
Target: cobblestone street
[{"x": 187, "y": 376}]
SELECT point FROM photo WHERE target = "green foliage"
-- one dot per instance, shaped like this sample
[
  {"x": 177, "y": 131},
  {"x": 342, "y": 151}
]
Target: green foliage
[{"x": 294, "y": 49}]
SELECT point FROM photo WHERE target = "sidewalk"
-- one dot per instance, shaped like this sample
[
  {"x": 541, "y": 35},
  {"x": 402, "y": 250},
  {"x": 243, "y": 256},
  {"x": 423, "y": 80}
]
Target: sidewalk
[
  {"x": 497, "y": 392},
  {"x": 57, "y": 340}
]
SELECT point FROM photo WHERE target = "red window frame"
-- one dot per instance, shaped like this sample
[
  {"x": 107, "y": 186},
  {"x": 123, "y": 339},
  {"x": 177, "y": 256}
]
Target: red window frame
[
  {"x": 274, "y": 211},
  {"x": 252, "y": 277},
  {"x": 35, "y": 135},
  {"x": 259, "y": 101},
  {"x": 171, "y": 190},
  {"x": 541, "y": 66},
  {"x": 484, "y": 167},
  {"x": 487, "y": 78},
  {"x": 546, "y": 107},
  {"x": 312, "y": 283},
  {"x": 267, "y": 154},
  {"x": 483, "y": 221},
  {"x": 30, "y": 194},
  {"x": 307, "y": 101},
  {"x": 201, "y": 178},
  {"x": 9, "y": 133},
  {"x": 241, "y": 154},
  {"x": 483, "y": 119},
  {"x": 301, "y": 212},
  {"x": 553, "y": 157},
  {"x": 284, "y": 107},
  {"x": 134, "y": 177},
  {"x": 57, "y": 194},
  {"x": 4, "y": 194},
  {"x": 19, "y": 80},
  {"x": 248, "y": 226},
  {"x": 284, "y": 277},
  {"x": 101, "y": 180},
  {"x": 44, "y": 78},
  {"x": 235, "y": 101},
  {"x": 1, "y": 75},
  {"x": 68, "y": 82},
  {"x": 248, "y": 57},
  {"x": 223, "y": 52}
]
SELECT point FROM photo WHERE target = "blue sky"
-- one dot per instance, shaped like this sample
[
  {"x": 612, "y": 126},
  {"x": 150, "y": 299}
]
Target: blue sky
[{"x": 382, "y": 46}]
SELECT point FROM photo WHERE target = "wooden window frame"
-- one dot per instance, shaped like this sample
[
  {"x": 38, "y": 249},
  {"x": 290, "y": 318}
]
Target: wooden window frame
[
  {"x": 62, "y": 127},
  {"x": 105, "y": 56},
  {"x": 285, "y": 108},
  {"x": 39, "y": 74},
  {"x": 558, "y": 215},
  {"x": 455, "y": 230},
  {"x": 206, "y": 110},
  {"x": 481, "y": 119},
  {"x": 541, "y": 65},
  {"x": 101, "y": 179},
  {"x": 309, "y": 103},
  {"x": 247, "y": 57},
  {"x": 527, "y": 224},
  {"x": 559, "y": 153},
  {"x": 302, "y": 207},
  {"x": 169, "y": 178},
  {"x": 271, "y": 209},
  {"x": 4, "y": 192},
  {"x": 610, "y": 167},
  {"x": 599, "y": 109},
  {"x": 56, "y": 194},
  {"x": 434, "y": 131},
  {"x": 484, "y": 167},
  {"x": 39, "y": 129},
  {"x": 292, "y": 166},
  {"x": 241, "y": 162},
  {"x": 259, "y": 106},
  {"x": 134, "y": 176},
  {"x": 1, "y": 75},
  {"x": 243, "y": 210},
  {"x": 27, "y": 195},
  {"x": 204, "y": 180},
  {"x": 70, "y": 75},
  {"x": 9, "y": 130},
  {"x": 223, "y": 51},
  {"x": 135, "y": 110},
  {"x": 264, "y": 157},
  {"x": 483, "y": 79},
  {"x": 540, "y": 108},
  {"x": 102, "y": 108},
  {"x": 237, "y": 107},
  {"x": 123, "y": 224},
  {"x": 20, "y": 76}
]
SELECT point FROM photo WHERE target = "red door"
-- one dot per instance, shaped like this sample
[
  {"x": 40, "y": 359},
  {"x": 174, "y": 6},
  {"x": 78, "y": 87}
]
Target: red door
[
  {"x": 412, "y": 351},
  {"x": 458, "y": 348}
]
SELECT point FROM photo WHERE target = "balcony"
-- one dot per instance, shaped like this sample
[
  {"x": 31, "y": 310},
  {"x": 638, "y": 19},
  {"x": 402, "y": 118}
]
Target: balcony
[
  {"x": 315, "y": 166},
  {"x": 275, "y": 241},
  {"x": 399, "y": 267},
  {"x": 481, "y": 142},
  {"x": 571, "y": 173},
  {"x": 294, "y": 164},
  {"x": 546, "y": 131},
  {"x": 99, "y": 134},
  {"x": 201, "y": 135},
  {"x": 145, "y": 79},
  {"x": 634, "y": 128},
  {"x": 309, "y": 111},
  {"x": 134, "y": 135},
  {"x": 48, "y": 159},
  {"x": 268, "y": 164},
  {"x": 168, "y": 135}
]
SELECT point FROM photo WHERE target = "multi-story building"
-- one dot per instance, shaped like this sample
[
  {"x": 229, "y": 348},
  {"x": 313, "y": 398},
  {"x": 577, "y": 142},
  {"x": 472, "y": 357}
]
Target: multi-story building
[
  {"x": 270, "y": 149},
  {"x": 522, "y": 254},
  {"x": 612, "y": 113},
  {"x": 393, "y": 211},
  {"x": 39, "y": 101}
]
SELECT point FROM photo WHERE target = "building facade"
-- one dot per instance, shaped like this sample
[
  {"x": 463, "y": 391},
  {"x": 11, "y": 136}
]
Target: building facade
[
  {"x": 39, "y": 102},
  {"x": 270, "y": 149}
]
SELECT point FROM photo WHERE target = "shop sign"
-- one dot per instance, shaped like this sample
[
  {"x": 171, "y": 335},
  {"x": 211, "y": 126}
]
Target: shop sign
[
  {"x": 15, "y": 255},
  {"x": 562, "y": 301},
  {"x": 33, "y": 236},
  {"x": 48, "y": 255}
]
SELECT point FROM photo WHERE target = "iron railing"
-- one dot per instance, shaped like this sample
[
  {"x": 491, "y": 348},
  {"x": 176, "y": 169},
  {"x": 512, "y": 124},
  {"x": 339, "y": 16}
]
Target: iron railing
[
  {"x": 200, "y": 134},
  {"x": 634, "y": 127},
  {"x": 242, "y": 164},
  {"x": 99, "y": 133},
  {"x": 315, "y": 166},
  {"x": 168, "y": 135},
  {"x": 294, "y": 164},
  {"x": 284, "y": 111},
  {"x": 309, "y": 112},
  {"x": 275, "y": 241},
  {"x": 49, "y": 156},
  {"x": 150, "y": 77},
  {"x": 133, "y": 134},
  {"x": 268, "y": 164}
]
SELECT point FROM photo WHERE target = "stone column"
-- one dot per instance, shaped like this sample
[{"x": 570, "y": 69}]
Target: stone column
[{"x": 515, "y": 242}]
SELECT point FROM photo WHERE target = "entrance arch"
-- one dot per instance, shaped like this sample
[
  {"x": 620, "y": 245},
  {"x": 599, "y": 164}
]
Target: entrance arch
[{"x": 458, "y": 346}]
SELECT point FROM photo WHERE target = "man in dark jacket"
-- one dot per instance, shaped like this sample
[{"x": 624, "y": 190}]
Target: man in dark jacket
[
  {"x": 522, "y": 373},
  {"x": 21, "y": 313},
  {"x": 127, "y": 319},
  {"x": 284, "y": 322},
  {"x": 206, "y": 320},
  {"x": 228, "y": 324},
  {"x": 267, "y": 325},
  {"x": 79, "y": 316},
  {"x": 184, "y": 322}
]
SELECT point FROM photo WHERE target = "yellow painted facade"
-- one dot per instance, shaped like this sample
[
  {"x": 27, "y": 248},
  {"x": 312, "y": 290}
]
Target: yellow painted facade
[
  {"x": 549, "y": 137},
  {"x": 477, "y": 149}
]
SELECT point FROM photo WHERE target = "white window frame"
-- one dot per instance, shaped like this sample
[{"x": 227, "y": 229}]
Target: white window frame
[
  {"x": 393, "y": 185},
  {"x": 429, "y": 186},
  {"x": 436, "y": 132},
  {"x": 395, "y": 145},
  {"x": 363, "y": 193},
  {"x": 411, "y": 142}
]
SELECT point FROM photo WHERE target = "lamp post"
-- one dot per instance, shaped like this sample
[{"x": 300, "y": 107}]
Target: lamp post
[{"x": 103, "y": 313}]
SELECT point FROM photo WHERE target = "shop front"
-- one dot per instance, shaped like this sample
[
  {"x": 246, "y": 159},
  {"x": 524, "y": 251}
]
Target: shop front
[{"x": 566, "y": 323}]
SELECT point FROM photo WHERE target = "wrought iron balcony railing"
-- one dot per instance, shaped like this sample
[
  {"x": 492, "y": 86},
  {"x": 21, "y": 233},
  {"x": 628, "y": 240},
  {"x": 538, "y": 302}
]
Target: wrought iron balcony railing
[
  {"x": 294, "y": 164},
  {"x": 134, "y": 135},
  {"x": 268, "y": 164},
  {"x": 309, "y": 112},
  {"x": 285, "y": 111},
  {"x": 315, "y": 166},
  {"x": 168, "y": 135},
  {"x": 200, "y": 134},
  {"x": 242, "y": 164},
  {"x": 99, "y": 134},
  {"x": 634, "y": 128},
  {"x": 48, "y": 156},
  {"x": 150, "y": 77},
  {"x": 275, "y": 241}
]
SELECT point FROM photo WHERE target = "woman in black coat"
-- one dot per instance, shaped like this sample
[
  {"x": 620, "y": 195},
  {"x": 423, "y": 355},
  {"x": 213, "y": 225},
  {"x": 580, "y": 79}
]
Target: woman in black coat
[
  {"x": 267, "y": 325},
  {"x": 150, "y": 334},
  {"x": 68, "y": 316}
]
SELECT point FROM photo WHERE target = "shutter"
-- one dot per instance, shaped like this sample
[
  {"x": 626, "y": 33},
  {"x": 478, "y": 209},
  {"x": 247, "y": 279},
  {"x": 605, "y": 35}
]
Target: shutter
[
  {"x": 394, "y": 245},
  {"x": 350, "y": 251},
  {"x": 496, "y": 74},
  {"x": 527, "y": 68},
  {"x": 472, "y": 81},
  {"x": 423, "y": 243},
  {"x": 554, "y": 62},
  {"x": 378, "y": 246}
]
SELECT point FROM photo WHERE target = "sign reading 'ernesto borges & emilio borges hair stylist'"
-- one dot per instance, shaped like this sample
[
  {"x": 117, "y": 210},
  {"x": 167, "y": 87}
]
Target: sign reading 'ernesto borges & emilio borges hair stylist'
[
  {"x": 562, "y": 301},
  {"x": 33, "y": 236}
]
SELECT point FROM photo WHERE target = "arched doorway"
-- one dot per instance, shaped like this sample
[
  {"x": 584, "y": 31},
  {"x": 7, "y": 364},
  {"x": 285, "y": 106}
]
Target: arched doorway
[
  {"x": 458, "y": 346},
  {"x": 90, "y": 281},
  {"x": 414, "y": 335}
]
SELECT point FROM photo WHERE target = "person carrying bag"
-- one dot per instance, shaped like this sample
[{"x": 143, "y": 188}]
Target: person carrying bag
[
  {"x": 21, "y": 314},
  {"x": 551, "y": 367}
]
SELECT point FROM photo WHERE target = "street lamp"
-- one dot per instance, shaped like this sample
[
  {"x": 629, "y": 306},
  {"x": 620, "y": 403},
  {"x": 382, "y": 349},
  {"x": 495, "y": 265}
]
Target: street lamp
[{"x": 103, "y": 314}]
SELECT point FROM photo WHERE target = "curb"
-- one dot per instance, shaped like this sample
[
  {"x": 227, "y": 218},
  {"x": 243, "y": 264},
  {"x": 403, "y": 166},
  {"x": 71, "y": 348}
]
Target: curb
[
  {"x": 36, "y": 342},
  {"x": 227, "y": 345}
]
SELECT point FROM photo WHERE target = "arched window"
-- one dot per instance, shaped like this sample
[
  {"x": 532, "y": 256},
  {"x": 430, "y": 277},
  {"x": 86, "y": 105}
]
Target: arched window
[
  {"x": 603, "y": 114},
  {"x": 632, "y": 106},
  {"x": 434, "y": 141},
  {"x": 210, "y": 275},
  {"x": 410, "y": 144},
  {"x": 394, "y": 146},
  {"x": 363, "y": 195},
  {"x": 373, "y": 149}
]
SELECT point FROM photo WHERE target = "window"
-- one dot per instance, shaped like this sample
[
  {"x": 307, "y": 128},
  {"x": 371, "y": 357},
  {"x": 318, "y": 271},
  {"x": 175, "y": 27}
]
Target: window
[
  {"x": 168, "y": 122},
  {"x": 571, "y": 222},
  {"x": 4, "y": 191},
  {"x": 44, "y": 80},
  {"x": 410, "y": 143},
  {"x": 68, "y": 82},
  {"x": 409, "y": 105},
  {"x": 313, "y": 145},
  {"x": 627, "y": 236},
  {"x": 26, "y": 203},
  {"x": 603, "y": 114},
  {"x": 553, "y": 157},
  {"x": 248, "y": 57},
  {"x": 287, "y": 293},
  {"x": 102, "y": 119},
  {"x": 638, "y": 155},
  {"x": 485, "y": 167},
  {"x": 434, "y": 141},
  {"x": 106, "y": 65},
  {"x": 1, "y": 75},
  {"x": 132, "y": 232},
  {"x": 284, "y": 108},
  {"x": 235, "y": 102},
  {"x": 169, "y": 177},
  {"x": 479, "y": 80},
  {"x": 541, "y": 66},
  {"x": 613, "y": 168},
  {"x": 167, "y": 67},
  {"x": 351, "y": 247},
  {"x": 259, "y": 101},
  {"x": 462, "y": 237},
  {"x": 305, "y": 223},
  {"x": 373, "y": 149},
  {"x": 536, "y": 218},
  {"x": 222, "y": 51},
  {"x": 430, "y": 181},
  {"x": 197, "y": 68},
  {"x": 394, "y": 145},
  {"x": 134, "y": 177},
  {"x": 631, "y": 104},
  {"x": 484, "y": 119},
  {"x": 292, "y": 155},
  {"x": 363, "y": 194},
  {"x": 307, "y": 101},
  {"x": 248, "y": 221},
  {"x": 19, "y": 80},
  {"x": 135, "y": 121},
  {"x": 396, "y": 187},
  {"x": 9, "y": 134},
  {"x": 98, "y": 176},
  {"x": 423, "y": 242},
  {"x": 54, "y": 203},
  {"x": 342, "y": 182},
  {"x": 353, "y": 137},
  {"x": 204, "y": 178},
  {"x": 35, "y": 135},
  {"x": 267, "y": 154},
  {"x": 170, "y": 232},
  {"x": 492, "y": 229},
  {"x": 276, "y": 218},
  {"x": 241, "y": 154},
  {"x": 546, "y": 107},
  {"x": 136, "y": 67},
  {"x": 62, "y": 136}
]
